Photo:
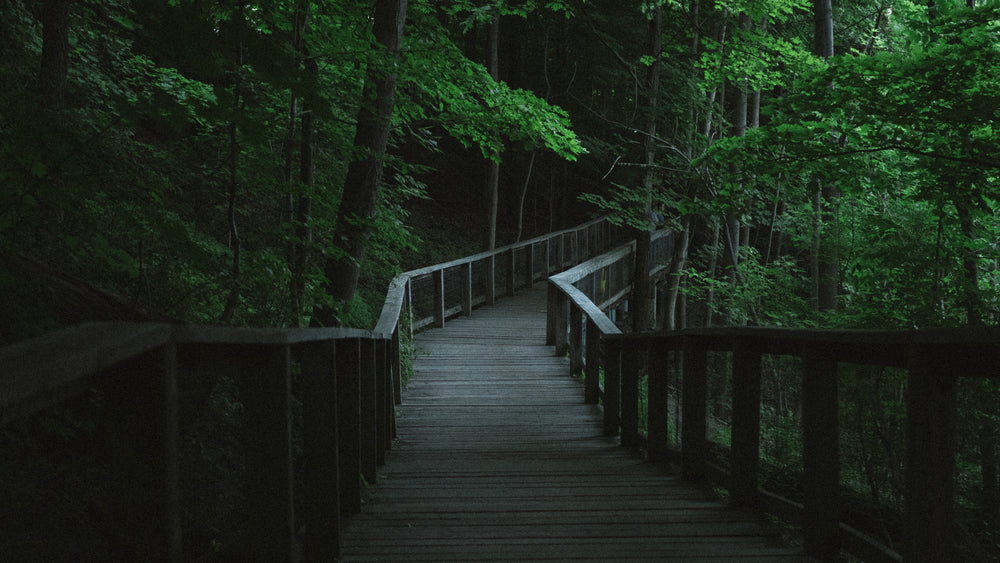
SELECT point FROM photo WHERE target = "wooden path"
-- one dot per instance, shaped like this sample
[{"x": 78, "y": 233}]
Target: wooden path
[{"x": 499, "y": 459}]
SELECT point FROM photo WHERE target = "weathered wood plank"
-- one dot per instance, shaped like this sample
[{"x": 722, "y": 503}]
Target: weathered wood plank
[{"x": 499, "y": 458}]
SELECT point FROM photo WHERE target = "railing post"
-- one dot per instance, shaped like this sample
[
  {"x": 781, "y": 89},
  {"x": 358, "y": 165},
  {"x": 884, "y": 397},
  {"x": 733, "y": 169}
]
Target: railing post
[
  {"x": 369, "y": 411},
  {"x": 820, "y": 454},
  {"x": 658, "y": 400},
  {"x": 319, "y": 438},
  {"x": 467, "y": 289},
  {"x": 397, "y": 374},
  {"x": 437, "y": 281},
  {"x": 383, "y": 399},
  {"x": 266, "y": 375},
  {"x": 144, "y": 431},
  {"x": 511, "y": 272},
  {"x": 562, "y": 302},
  {"x": 631, "y": 365},
  {"x": 348, "y": 424},
  {"x": 551, "y": 309},
  {"x": 531, "y": 265},
  {"x": 612, "y": 385},
  {"x": 591, "y": 380},
  {"x": 928, "y": 510},
  {"x": 693, "y": 408},
  {"x": 548, "y": 256},
  {"x": 491, "y": 280},
  {"x": 745, "y": 451},
  {"x": 575, "y": 339}
]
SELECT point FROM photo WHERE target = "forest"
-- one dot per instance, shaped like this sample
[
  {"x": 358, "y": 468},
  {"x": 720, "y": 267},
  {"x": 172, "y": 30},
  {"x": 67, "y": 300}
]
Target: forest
[{"x": 276, "y": 162}]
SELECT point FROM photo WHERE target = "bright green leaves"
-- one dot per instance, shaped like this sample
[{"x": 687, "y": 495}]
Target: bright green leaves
[{"x": 444, "y": 88}]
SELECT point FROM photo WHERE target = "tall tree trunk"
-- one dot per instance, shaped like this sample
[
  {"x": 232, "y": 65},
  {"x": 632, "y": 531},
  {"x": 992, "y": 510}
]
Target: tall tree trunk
[
  {"x": 524, "y": 193},
  {"x": 235, "y": 244},
  {"x": 826, "y": 267},
  {"x": 298, "y": 202},
  {"x": 364, "y": 175},
  {"x": 677, "y": 262},
  {"x": 640, "y": 283},
  {"x": 493, "y": 174},
  {"x": 55, "y": 53}
]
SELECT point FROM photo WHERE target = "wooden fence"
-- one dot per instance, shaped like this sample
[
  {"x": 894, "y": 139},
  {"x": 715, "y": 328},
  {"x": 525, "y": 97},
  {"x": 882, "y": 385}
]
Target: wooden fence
[
  {"x": 935, "y": 360},
  {"x": 349, "y": 384}
]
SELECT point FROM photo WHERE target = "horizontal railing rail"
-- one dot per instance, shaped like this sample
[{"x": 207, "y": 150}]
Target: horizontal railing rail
[
  {"x": 934, "y": 359},
  {"x": 348, "y": 383}
]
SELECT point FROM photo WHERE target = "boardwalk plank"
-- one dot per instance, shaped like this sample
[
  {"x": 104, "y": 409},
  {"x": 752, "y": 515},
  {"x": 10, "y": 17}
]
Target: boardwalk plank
[{"x": 499, "y": 459}]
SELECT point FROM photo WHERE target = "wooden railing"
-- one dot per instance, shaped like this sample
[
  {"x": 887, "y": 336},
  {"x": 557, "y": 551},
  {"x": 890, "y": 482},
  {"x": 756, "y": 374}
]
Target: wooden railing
[
  {"x": 348, "y": 383},
  {"x": 935, "y": 360}
]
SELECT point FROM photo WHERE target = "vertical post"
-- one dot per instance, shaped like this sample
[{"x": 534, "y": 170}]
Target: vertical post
[
  {"x": 348, "y": 424},
  {"x": 928, "y": 511},
  {"x": 467, "y": 289},
  {"x": 658, "y": 397},
  {"x": 575, "y": 340},
  {"x": 693, "y": 408},
  {"x": 562, "y": 251},
  {"x": 397, "y": 371},
  {"x": 319, "y": 439},
  {"x": 266, "y": 374},
  {"x": 437, "y": 281},
  {"x": 745, "y": 451},
  {"x": 369, "y": 411},
  {"x": 531, "y": 265},
  {"x": 591, "y": 380},
  {"x": 612, "y": 385},
  {"x": 551, "y": 306},
  {"x": 562, "y": 303},
  {"x": 491, "y": 279},
  {"x": 631, "y": 365},
  {"x": 820, "y": 454},
  {"x": 383, "y": 387},
  {"x": 511, "y": 272},
  {"x": 548, "y": 256},
  {"x": 144, "y": 432}
]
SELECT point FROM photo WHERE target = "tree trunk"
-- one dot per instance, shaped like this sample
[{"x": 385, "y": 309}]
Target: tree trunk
[
  {"x": 55, "y": 53},
  {"x": 364, "y": 175},
  {"x": 640, "y": 282},
  {"x": 826, "y": 268},
  {"x": 677, "y": 263},
  {"x": 298, "y": 212},
  {"x": 493, "y": 174}
]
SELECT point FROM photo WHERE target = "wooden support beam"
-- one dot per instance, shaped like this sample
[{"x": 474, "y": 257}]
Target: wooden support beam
[
  {"x": 348, "y": 424},
  {"x": 820, "y": 454},
  {"x": 693, "y": 408},
  {"x": 266, "y": 378},
  {"x": 591, "y": 380},
  {"x": 928, "y": 510},
  {"x": 143, "y": 435},
  {"x": 561, "y": 312},
  {"x": 369, "y": 411},
  {"x": 658, "y": 397},
  {"x": 491, "y": 280},
  {"x": 575, "y": 340},
  {"x": 612, "y": 386},
  {"x": 632, "y": 364},
  {"x": 467, "y": 289},
  {"x": 437, "y": 281},
  {"x": 319, "y": 440},
  {"x": 745, "y": 451}
]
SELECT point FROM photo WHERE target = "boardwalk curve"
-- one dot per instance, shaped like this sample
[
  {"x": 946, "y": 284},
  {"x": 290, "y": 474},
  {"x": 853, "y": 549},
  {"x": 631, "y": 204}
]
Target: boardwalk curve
[{"x": 499, "y": 459}]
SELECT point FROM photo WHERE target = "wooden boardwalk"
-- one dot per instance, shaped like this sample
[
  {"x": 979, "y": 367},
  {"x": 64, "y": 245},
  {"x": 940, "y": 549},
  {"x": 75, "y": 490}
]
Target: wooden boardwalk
[{"x": 499, "y": 459}]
